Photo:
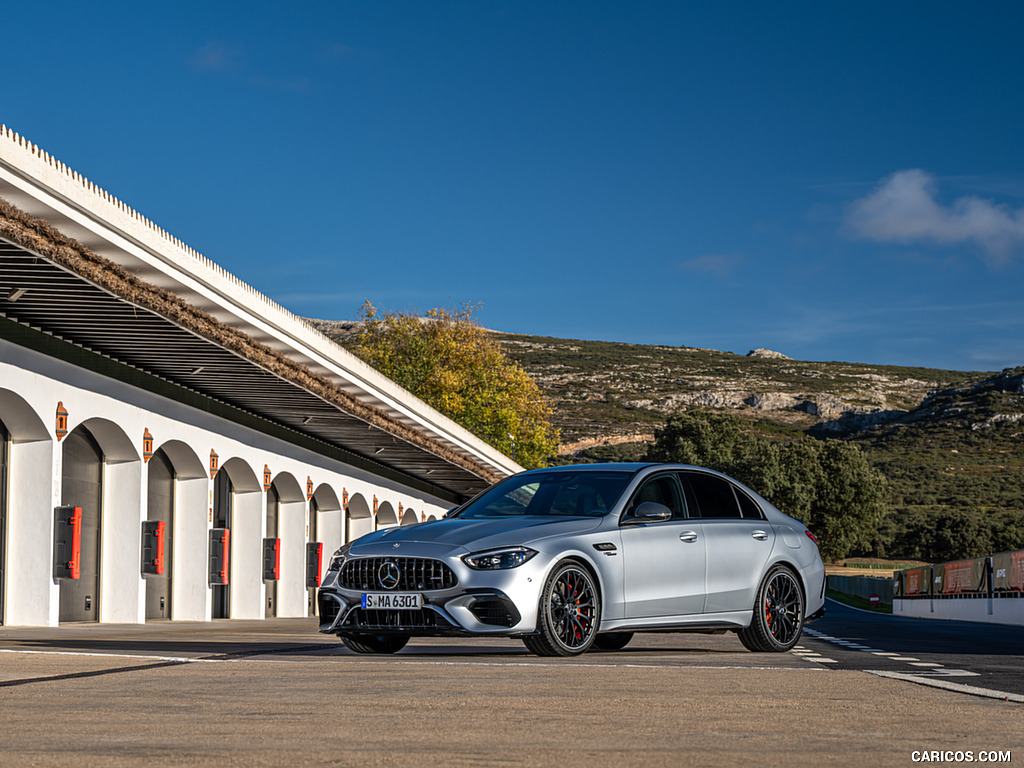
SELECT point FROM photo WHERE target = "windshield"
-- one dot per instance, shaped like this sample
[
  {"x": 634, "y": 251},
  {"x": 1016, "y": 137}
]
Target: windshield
[{"x": 575, "y": 494}]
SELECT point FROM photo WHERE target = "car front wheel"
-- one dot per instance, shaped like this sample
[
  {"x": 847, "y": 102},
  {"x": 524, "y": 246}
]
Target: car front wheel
[
  {"x": 778, "y": 619},
  {"x": 570, "y": 610}
]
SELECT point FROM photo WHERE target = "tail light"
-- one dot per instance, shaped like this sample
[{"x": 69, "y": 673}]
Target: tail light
[{"x": 812, "y": 537}]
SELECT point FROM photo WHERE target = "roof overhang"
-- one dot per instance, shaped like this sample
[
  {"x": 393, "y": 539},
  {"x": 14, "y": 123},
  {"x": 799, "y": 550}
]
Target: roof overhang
[{"x": 86, "y": 269}]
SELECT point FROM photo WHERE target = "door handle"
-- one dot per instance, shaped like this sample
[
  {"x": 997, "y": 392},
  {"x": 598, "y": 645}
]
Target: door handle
[
  {"x": 688, "y": 536},
  {"x": 760, "y": 535}
]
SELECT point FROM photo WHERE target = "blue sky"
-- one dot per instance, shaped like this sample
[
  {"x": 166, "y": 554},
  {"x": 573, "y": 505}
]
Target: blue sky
[{"x": 833, "y": 181}]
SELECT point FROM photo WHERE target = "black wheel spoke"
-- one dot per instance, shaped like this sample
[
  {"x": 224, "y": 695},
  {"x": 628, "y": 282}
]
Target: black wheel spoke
[
  {"x": 782, "y": 607},
  {"x": 572, "y": 608}
]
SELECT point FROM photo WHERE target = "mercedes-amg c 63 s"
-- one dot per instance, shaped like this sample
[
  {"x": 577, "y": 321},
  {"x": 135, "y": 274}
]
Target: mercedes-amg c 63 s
[{"x": 572, "y": 557}]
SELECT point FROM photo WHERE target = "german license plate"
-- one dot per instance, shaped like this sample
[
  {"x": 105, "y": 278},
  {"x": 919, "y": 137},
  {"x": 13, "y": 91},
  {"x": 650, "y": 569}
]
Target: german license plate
[{"x": 393, "y": 601}]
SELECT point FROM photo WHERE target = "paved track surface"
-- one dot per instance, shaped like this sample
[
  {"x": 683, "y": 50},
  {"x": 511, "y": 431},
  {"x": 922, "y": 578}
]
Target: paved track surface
[
  {"x": 982, "y": 656},
  {"x": 278, "y": 693}
]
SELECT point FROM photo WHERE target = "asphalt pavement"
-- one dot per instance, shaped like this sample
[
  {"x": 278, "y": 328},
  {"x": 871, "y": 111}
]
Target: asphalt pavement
[
  {"x": 276, "y": 692},
  {"x": 986, "y": 657}
]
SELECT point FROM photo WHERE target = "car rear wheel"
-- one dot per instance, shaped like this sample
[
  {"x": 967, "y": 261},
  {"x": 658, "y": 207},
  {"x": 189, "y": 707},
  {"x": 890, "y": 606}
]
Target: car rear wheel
[
  {"x": 612, "y": 641},
  {"x": 778, "y": 619},
  {"x": 570, "y": 609},
  {"x": 374, "y": 643}
]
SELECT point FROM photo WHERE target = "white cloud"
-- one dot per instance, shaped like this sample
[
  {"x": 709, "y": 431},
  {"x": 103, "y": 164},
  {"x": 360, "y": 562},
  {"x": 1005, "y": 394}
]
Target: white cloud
[
  {"x": 217, "y": 56},
  {"x": 903, "y": 209},
  {"x": 718, "y": 264}
]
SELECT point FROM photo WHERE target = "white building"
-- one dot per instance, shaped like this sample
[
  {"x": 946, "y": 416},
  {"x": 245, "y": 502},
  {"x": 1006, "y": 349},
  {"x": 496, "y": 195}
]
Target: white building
[{"x": 140, "y": 383}]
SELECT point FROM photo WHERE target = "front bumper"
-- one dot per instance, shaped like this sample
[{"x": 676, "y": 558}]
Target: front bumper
[{"x": 498, "y": 602}]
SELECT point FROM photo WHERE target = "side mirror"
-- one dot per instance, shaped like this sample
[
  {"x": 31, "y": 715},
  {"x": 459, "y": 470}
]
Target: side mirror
[{"x": 650, "y": 512}]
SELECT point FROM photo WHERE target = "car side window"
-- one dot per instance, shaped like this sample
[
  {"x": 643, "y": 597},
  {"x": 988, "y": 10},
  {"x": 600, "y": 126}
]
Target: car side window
[
  {"x": 714, "y": 495},
  {"x": 661, "y": 489},
  {"x": 749, "y": 507}
]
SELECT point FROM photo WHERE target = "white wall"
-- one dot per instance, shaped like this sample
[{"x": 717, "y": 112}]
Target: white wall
[
  {"x": 31, "y": 385},
  {"x": 992, "y": 611}
]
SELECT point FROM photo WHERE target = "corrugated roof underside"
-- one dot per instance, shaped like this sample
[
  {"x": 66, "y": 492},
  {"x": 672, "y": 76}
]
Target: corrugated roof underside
[{"x": 63, "y": 303}]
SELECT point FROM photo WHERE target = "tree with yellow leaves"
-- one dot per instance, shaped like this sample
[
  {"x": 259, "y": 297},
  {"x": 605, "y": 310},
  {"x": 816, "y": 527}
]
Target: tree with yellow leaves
[{"x": 447, "y": 360}]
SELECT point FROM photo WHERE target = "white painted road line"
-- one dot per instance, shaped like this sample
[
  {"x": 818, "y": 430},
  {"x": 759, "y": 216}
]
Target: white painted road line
[{"x": 945, "y": 684}]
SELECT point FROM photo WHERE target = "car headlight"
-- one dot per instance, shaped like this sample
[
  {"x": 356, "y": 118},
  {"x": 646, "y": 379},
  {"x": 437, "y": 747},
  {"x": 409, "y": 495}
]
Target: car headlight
[
  {"x": 338, "y": 559},
  {"x": 499, "y": 559}
]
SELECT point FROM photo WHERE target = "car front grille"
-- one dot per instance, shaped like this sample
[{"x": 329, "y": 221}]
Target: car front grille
[
  {"x": 379, "y": 620},
  {"x": 415, "y": 573}
]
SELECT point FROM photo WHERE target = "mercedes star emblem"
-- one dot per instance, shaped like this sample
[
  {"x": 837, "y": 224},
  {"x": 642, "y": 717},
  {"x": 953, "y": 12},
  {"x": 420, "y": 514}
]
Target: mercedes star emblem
[{"x": 388, "y": 574}]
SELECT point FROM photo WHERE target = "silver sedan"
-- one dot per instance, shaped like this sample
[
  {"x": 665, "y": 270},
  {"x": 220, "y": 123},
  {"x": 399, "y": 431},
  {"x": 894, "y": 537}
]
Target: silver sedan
[{"x": 571, "y": 557}]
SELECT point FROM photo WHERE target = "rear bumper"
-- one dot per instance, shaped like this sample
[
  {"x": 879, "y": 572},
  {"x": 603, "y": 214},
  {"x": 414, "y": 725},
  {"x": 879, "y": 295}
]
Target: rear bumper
[{"x": 815, "y": 616}]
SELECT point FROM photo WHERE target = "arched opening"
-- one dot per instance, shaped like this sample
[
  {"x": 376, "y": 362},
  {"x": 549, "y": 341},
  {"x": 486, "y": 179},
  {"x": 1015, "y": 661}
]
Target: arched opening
[
  {"x": 314, "y": 521},
  {"x": 223, "y": 500},
  {"x": 120, "y": 596},
  {"x": 386, "y": 517},
  {"x": 26, "y": 514},
  {"x": 82, "y": 486},
  {"x": 188, "y": 569},
  {"x": 359, "y": 520},
  {"x": 238, "y": 506},
  {"x": 286, "y": 597},
  {"x": 273, "y": 513},
  {"x": 160, "y": 508},
  {"x": 409, "y": 517},
  {"x": 326, "y": 525}
]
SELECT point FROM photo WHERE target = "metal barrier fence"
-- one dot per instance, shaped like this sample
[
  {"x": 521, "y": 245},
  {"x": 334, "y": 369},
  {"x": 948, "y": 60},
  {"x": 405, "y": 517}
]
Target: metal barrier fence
[
  {"x": 1000, "y": 575},
  {"x": 863, "y": 586}
]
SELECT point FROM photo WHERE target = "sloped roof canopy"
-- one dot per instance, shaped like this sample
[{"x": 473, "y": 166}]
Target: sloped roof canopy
[{"x": 58, "y": 293}]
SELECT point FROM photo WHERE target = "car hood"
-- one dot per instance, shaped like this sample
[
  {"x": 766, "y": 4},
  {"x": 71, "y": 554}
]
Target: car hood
[{"x": 475, "y": 534}]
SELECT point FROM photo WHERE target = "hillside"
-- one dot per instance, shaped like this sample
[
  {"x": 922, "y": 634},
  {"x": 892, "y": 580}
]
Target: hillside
[
  {"x": 951, "y": 443},
  {"x": 604, "y": 389}
]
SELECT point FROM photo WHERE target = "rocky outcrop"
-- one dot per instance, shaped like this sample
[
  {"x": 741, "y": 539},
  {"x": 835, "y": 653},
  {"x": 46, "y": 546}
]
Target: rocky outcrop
[{"x": 769, "y": 354}]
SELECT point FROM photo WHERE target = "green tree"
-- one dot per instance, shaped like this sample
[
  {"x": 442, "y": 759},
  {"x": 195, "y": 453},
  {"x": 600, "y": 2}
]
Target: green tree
[
  {"x": 959, "y": 534},
  {"x": 447, "y": 360},
  {"x": 703, "y": 438},
  {"x": 828, "y": 484}
]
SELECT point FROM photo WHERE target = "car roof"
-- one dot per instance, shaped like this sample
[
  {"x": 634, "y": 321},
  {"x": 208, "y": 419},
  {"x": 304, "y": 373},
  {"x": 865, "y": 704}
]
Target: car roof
[{"x": 630, "y": 467}]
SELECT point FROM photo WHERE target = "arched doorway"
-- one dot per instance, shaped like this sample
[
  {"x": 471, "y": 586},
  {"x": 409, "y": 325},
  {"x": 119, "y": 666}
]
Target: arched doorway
[
  {"x": 359, "y": 520},
  {"x": 386, "y": 516},
  {"x": 273, "y": 532},
  {"x": 314, "y": 521},
  {"x": 409, "y": 517},
  {"x": 82, "y": 486},
  {"x": 5, "y": 439},
  {"x": 160, "y": 508},
  {"x": 223, "y": 500}
]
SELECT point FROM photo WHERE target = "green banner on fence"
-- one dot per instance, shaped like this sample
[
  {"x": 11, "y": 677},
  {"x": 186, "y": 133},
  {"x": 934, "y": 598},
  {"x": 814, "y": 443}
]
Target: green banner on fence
[{"x": 1008, "y": 571}]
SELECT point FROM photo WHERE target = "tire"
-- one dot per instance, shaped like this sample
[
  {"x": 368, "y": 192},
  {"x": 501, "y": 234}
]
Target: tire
[
  {"x": 612, "y": 641},
  {"x": 374, "y": 643},
  {"x": 742, "y": 635},
  {"x": 531, "y": 645},
  {"x": 570, "y": 611},
  {"x": 778, "y": 619}
]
